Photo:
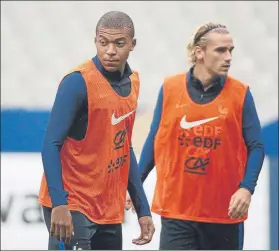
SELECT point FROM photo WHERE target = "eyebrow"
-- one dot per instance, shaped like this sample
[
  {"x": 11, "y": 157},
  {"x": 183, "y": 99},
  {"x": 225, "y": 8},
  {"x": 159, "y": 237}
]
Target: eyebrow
[
  {"x": 224, "y": 47},
  {"x": 117, "y": 39}
]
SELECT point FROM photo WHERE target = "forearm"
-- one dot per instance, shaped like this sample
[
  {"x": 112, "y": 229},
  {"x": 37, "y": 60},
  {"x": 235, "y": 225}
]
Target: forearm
[
  {"x": 135, "y": 188},
  {"x": 146, "y": 162},
  {"x": 53, "y": 173},
  {"x": 253, "y": 139},
  {"x": 253, "y": 169}
]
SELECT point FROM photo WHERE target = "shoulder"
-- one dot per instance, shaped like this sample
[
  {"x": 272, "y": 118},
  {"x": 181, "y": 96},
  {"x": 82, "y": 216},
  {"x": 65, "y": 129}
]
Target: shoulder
[
  {"x": 174, "y": 77},
  {"x": 175, "y": 80},
  {"x": 135, "y": 78},
  {"x": 73, "y": 83},
  {"x": 236, "y": 83}
]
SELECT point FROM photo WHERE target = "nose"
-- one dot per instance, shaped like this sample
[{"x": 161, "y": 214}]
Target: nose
[
  {"x": 228, "y": 56},
  {"x": 111, "y": 50}
]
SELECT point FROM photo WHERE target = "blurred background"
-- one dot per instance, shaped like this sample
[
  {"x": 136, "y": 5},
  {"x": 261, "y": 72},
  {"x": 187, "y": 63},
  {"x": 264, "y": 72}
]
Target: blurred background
[{"x": 41, "y": 41}]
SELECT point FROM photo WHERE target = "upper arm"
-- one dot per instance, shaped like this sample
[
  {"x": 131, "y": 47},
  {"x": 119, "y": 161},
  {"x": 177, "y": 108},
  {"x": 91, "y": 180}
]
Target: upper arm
[
  {"x": 157, "y": 112},
  {"x": 251, "y": 126},
  {"x": 69, "y": 98}
]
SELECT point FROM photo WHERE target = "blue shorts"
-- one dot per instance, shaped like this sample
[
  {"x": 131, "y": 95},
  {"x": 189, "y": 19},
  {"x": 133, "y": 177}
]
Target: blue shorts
[
  {"x": 88, "y": 235},
  {"x": 190, "y": 235}
]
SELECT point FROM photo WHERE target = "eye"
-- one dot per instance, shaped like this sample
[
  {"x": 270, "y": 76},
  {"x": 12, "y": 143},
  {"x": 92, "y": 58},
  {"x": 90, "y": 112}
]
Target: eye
[
  {"x": 120, "y": 43},
  {"x": 103, "y": 42},
  {"x": 222, "y": 50}
]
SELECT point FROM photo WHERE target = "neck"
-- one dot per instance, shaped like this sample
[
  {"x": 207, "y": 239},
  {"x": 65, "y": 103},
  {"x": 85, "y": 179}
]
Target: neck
[
  {"x": 122, "y": 68},
  {"x": 204, "y": 76}
]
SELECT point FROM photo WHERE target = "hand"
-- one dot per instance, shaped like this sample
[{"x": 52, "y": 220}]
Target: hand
[
  {"x": 129, "y": 204},
  {"x": 239, "y": 203},
  {"x": 147, "y": 231},
  {"x": 61, "y": 224}
]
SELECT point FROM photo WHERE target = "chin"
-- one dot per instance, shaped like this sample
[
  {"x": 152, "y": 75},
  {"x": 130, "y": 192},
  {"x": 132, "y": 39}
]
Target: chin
[
  {"x": 223, "y": 73},
  {"x": 111, "y": 68}
]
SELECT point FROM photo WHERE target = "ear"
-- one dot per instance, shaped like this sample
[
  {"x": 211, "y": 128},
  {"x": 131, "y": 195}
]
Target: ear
[
  {"x": 134, "y": 43},
  {"x": 199, "y": 52},
  {"x": 95, "y": 40}
]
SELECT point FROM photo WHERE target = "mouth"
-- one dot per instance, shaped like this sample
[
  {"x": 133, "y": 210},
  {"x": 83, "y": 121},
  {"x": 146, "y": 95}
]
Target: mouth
[
  {"x": 110, "y": 62},
  {"x": 226, "y": 66}
]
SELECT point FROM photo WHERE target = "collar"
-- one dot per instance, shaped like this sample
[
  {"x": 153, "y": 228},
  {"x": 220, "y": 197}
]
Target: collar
[
  {"x": 114, "y": 76},
  {"x": 218, "y": 83}
]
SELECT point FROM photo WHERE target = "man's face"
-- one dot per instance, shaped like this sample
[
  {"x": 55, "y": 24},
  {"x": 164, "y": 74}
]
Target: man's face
[
  {"x": 217, "y": 54},
  {"x": 113, "y": 48}
]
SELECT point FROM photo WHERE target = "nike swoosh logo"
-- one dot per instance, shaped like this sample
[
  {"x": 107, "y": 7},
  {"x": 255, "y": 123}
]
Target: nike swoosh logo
[
  {"x": 115, "y": 121},
  {"x": 187, "y": 125}
]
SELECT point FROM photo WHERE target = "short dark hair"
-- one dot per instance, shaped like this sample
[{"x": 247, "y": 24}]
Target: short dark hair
[{"x": 116, "y": 20}]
